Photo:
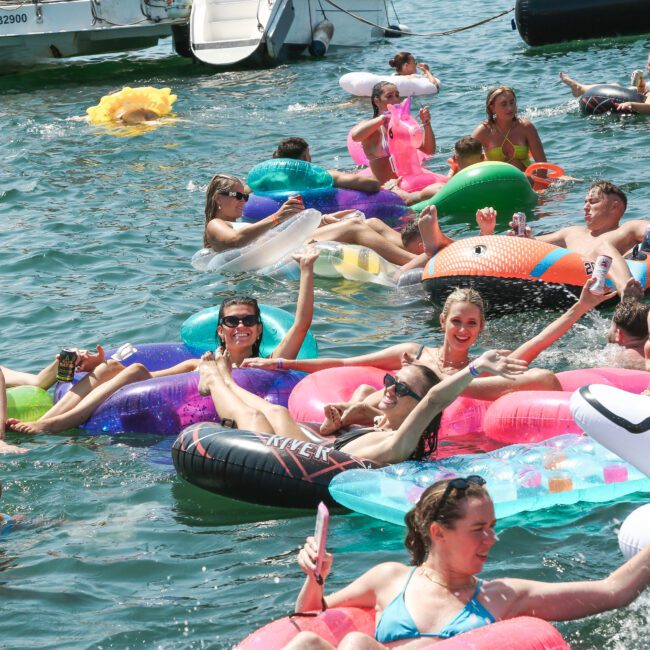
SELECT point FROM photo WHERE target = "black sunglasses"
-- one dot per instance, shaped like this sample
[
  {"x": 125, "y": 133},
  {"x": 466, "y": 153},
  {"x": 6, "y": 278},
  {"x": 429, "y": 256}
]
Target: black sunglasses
[
  {"x": 401, "y": 389},
  {"x": 232, "y": 321},
  {"x": 456, "y": 484},
  {"x": 240, "y": 196}
]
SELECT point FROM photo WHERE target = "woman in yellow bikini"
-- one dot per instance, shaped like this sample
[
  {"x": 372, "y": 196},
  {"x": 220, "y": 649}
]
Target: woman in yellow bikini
[{"x": 506, "y": 137}]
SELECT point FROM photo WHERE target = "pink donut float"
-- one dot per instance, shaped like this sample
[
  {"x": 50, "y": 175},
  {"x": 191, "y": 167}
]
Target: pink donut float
[
  {"x": 523, "y": 633},
  {"x": 534, "y": 416},
  {"x": 335, "y": 385}
]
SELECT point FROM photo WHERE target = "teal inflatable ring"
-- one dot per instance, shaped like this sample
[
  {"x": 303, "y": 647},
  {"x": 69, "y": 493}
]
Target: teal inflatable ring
[
  {"x": 285, "y": 174},
  {"x": 496, "y": 184},
  {"x": 198, "y": 332}
]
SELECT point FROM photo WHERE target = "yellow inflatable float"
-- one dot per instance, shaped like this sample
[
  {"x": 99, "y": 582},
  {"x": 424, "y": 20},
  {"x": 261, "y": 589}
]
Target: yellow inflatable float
[{"x": 132, "y": 105}]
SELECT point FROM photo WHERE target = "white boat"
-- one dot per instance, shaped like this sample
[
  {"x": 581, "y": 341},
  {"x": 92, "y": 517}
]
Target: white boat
[
  {"x": 224, "y": 32},
  {"x": 52, "y": 29}
]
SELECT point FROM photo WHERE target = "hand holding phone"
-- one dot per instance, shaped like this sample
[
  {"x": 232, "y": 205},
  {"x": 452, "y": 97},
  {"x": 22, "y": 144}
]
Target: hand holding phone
[{"x": 320, "y": 535}]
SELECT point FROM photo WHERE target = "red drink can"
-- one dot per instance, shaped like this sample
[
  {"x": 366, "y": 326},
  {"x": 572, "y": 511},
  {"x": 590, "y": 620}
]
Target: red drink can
[
  {"x": 603, "y": 264},
  {"x": 519, "y": 223},
  {"x": 67, "y": 364}
]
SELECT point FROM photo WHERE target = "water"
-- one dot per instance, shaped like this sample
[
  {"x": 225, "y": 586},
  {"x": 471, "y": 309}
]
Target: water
[{"x": 98, "y": 231}]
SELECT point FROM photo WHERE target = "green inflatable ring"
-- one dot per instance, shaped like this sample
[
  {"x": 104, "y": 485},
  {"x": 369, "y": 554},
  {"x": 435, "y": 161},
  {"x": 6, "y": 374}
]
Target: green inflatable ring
[
  {"x": 491, "y": 183},
  {"x": 27, "y": 403},
  {"x": 285, "y": 174},
  {"x": 198, "y": 331}
]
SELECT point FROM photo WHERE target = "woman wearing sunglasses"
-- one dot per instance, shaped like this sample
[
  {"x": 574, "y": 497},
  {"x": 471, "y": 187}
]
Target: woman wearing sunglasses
[
  {"x": 239, "y": 328},
  {"x": 449, "y": 535},
  {"x": 409, "y": 409}
]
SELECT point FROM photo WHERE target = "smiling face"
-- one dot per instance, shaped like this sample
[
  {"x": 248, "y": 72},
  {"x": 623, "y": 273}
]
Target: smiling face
[
  {"x": 461, "y": 325},
  {"x": 230, "y": 208},
  {"x": 465, "y": 547},
  {"x": 241, "y": 338},
  {"x": 504, "y": 106},
  {"x": 398, "y": 407},
  {"x": 602, "y": 211}
]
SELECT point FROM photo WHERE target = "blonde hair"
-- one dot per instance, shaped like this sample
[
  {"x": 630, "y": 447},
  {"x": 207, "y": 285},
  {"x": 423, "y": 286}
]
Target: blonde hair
[
  {"x": 464, "y": 294},
  {"x": 219, "y": 183},
  {"x": 492, "y": 95}
]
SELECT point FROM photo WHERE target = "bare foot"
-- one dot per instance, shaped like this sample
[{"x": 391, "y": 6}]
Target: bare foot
[
  {"x": 577, "y": 89},
  {"x": 11, "y": 449},
  {"x": 207, "y": 370},
  {"x": 332, "y": 421},
  {"x": 28, "y": 427},
  {"x": 223, "y": 361}
]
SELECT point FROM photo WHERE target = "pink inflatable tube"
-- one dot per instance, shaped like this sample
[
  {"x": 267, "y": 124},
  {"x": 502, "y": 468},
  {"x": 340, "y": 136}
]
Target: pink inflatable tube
[
  {"x": 335, "y": 385},
  {"x": 523, "y": 633},
  {"x": 534, "y": 416}
]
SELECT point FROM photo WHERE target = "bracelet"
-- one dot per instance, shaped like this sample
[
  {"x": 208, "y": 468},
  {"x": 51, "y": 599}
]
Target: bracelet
[
  {"x": 279, "y": 363},
  {"x": 473, "y": 371},
  {"x": 275, "y": 219}
]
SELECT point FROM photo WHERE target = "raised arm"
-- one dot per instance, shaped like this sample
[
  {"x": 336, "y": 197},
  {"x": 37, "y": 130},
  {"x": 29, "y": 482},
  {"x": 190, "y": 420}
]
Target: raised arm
[
  {"x": 565, "y": 601},
  {"x": 429, "y": 138},
  {"x": 387, "y": 359},
  {"x": 561, "y": 325},
  {"x": 293, "y": 339},
  {"x": 637, "y": 107},
  {"x": 365, "y": 129}
]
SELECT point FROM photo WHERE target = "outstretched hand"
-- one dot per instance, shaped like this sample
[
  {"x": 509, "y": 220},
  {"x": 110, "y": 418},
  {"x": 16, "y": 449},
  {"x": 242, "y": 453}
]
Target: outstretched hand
[
  {"x": 6, "y": 448},
  {"x": 258, "y": 362},
  {"x": 425, "y": 115},
  {"x": 307, "y": 559},
  {"x": 291, "y": 207},
  {"x": 486, "y": 220},
  {"x": 87, "y": 361},
  {"x": 590, "y": 300},
  {"x": 307, "y": 256},
  {"x": 632, "y": 290},
  {"x": 497, "y": 362}
]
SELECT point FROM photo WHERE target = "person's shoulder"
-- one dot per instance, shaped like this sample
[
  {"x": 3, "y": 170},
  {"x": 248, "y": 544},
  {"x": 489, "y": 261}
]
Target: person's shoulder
[{"x": 387, "y": 570}]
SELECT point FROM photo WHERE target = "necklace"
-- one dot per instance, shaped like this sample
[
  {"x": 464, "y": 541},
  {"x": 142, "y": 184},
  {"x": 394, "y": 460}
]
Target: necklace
[
  {"x": 427, "y": 574},
  {"x": 454, "y": 365}
]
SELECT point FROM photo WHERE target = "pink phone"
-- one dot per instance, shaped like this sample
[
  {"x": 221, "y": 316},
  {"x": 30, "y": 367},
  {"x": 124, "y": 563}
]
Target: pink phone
[{"x": 320, "y": 535}]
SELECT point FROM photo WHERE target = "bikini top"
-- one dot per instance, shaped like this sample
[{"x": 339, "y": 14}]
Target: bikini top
[
  {"x": 520, "y": 151},
  {"x": 396, "y": 623},
  {"x": 379, "y": 148}
]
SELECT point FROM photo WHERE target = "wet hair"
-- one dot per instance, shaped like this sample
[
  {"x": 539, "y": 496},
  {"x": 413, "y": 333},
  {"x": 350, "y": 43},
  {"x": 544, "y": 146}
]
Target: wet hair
[
  {"x": 468, "y": 146},
  {"x": 419, "y": 519},
  {"x": 377, "y": 89},
  {"x": 631, "y": 316},
  {"x": 428, "y": 442},
  {"x": 492, "y": 95},
  {"x": 291, "y": 148},
  {"x": 609, "y": 189},
  {"x": 248, "y": 302},
  {"x": 400, "y": 60},
  {"x": 219, "y": 183},
  {"x": 410, "y": 233},
  {"x": 464, "y": 294}
]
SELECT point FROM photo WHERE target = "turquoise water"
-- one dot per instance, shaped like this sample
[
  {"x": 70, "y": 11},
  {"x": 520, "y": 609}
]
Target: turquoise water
[{"x": 98, "y": 231}]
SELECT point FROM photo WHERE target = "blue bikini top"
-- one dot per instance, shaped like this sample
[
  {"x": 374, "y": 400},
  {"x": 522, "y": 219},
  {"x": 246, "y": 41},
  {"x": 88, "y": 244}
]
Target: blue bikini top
[{"x": 396, "y": 623}]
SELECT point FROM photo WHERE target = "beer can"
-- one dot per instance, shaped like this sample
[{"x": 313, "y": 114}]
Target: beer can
[
  {"x": 519, "y": 223},
  {"x": 645, "y": 242},
  {"x": 67, "y": 364},
  {"x": 603, "y": 264},
  {"x": 637, "y": 78}
]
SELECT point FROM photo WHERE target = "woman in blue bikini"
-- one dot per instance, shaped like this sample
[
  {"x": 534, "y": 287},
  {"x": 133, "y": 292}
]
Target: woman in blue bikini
[{"x": 450, "y": 534}]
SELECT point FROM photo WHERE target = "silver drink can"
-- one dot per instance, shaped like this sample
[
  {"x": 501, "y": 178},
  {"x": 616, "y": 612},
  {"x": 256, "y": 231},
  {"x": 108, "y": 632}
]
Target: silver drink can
[
  {"x": 603, "y": 264},
  {"x": 637, "y": 79},
  {"x": 519, "y": 223}
]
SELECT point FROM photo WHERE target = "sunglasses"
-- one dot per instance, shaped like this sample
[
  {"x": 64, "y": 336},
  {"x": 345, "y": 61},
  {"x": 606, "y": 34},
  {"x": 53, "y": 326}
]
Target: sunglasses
[
  {"x": 240, "y": 196},
  {"x": 456, "y": 484},
  {"x": 232, "y": 321},
  {"x": 401, "y": 389}
]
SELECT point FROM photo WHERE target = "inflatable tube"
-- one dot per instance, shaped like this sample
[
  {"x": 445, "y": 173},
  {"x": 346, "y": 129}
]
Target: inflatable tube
[
  {"x": 282, "y": 174},
  {"x": 361, "y": 84},
  {"x": 604, "y": 98},
  {"x": 493, "y": 183},
  {"x": 524, "y": 477},
  {"x": 165, "y": 405},
  {"x": 259, "y": 467},
  {"x": 553, "y": 173},
  {"x": 616, "y": 419},
  {"x": 541, "y": 22},
  {"x": 515, "y": 273},
  {"x": 523, "y": 633},
  {"x": 266, "y": 249},
  {"x": 634, "y": 534},
  {"x": 27, "y": 403},
  {"x": 347, "y": 261},
  {"x": 383, "y": 205},
  {"x": 405, "y": 137},
  {"x": 198, "y": 332},
  {"x": 334, "y": 385},
  {"x": 112, "y": 107}
]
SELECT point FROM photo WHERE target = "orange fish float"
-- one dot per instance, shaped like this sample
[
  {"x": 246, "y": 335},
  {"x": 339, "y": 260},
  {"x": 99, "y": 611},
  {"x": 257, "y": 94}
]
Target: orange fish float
[{"x": 512, "y": 273}]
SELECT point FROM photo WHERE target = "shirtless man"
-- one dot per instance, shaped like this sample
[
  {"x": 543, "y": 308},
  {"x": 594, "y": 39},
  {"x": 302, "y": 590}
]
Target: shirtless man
[
  {"x": 603, "y": 234},
  {"x": 298, "y": 149},
  {"x": 629, "y": 330}
]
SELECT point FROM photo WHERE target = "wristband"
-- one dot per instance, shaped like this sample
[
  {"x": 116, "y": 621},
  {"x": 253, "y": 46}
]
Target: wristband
[
  {"x": 473, "y": 371},
  {"x": 279, "y": 363}
]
